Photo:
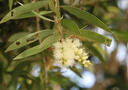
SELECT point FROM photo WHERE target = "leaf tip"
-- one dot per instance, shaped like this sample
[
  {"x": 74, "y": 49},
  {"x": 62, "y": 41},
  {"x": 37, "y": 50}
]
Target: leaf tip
[
  {"x": 0, "y": 22},
  {"x": 6, "y": 50},
  {"x": 16, "y": 58}
]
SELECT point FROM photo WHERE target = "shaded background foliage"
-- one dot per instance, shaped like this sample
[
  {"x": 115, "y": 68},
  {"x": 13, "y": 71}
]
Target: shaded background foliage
[{"x": 111, "y": 75}]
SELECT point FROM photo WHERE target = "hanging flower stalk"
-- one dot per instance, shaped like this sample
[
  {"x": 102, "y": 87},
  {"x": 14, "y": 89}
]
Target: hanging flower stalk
[{"x": 68, "y": 51}]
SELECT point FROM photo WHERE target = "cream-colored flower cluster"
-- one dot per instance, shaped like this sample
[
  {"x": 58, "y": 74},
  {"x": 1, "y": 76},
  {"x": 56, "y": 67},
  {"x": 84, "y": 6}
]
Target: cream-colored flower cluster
[{"x": 69, "y": 50}]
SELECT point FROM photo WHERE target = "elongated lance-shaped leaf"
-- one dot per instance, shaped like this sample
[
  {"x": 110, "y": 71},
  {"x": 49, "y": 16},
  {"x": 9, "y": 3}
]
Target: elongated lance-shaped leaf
[
  {"x": 30, "y": 14},
  {"x": 91, "y": 36},
  {"x": 88, "y": 35},
  {"x": 17, "y": 36},
  {"x": 70, "y": 25},
  {"x": 95, "y": 37},
  {"x": 23, "y": 9},
  {"x": 38, "y": 14},
  {"x": 86, "y": 16},
  {"x": 46, "y": 43},
  {"x": 42, "y": 17},
  {"x": 30, "y": 38},
  {"x": 121, "y": 35}
]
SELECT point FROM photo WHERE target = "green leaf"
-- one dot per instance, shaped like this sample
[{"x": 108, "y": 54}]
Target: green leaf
[
  {"x": 23, "y": 9},
  {"x": 77, "y": 71},
  {"x": 51, "y": 5},
  {"x": 42, "y": 17},
  {"x": 121, "y": 35},
  {"x": 94, "y": 51},
  {"x": 10, "y": 4},
  {"x": 86, "y": 16},
  {"x": 87, "y": 34},
  {"x": 48, "y": 42},
  {"x": 30, "y": 38},
  {"x": 95, "y": 37},
  {"x": 16, "y": 36},
  {"x": 91, "y": 36},
  {"x": 30, "y": 14},
  {"x": 39, "y": 15},
  {"x": 70, "y": 25}
]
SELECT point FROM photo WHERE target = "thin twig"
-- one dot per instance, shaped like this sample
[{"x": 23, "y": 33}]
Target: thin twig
[
  {"x": 58, "y": 26},
  {"x": 57, "y": 22},
  {"x": 43, "y": 57}
]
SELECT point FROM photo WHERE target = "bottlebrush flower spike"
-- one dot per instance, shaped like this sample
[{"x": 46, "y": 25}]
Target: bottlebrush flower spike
[{"x": 68, "y": 51}]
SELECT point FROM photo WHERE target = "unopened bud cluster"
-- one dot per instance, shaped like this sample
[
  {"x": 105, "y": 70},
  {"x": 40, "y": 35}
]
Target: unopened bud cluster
[
  {"x": 82, "y": 57},
  {"x": 68, "y": 51}
]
